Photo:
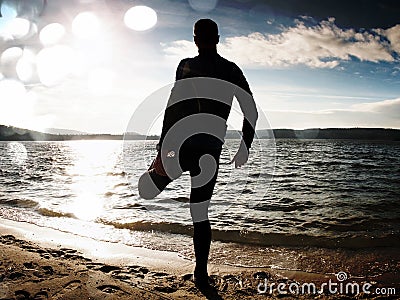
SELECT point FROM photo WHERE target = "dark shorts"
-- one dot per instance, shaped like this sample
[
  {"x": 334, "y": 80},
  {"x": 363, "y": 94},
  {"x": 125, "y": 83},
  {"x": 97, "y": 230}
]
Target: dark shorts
[{"x": 189, "y": 160}]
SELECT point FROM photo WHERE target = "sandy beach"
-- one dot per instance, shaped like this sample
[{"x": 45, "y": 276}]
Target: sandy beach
[{"x": 41, "y": 263}]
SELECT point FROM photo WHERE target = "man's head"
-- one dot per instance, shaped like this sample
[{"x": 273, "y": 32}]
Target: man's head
[{"x": 206, "y": 33}]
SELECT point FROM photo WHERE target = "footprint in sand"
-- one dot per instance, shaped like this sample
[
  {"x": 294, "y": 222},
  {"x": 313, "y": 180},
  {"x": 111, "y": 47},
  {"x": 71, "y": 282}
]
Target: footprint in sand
[
  {"x": 72, "y": 285},
  {"x": 159, "y": 274},
  {"x": 29, "y": 265},
  {"x": 165, "y": 288},
  {"x": 48, "y": 270},
  {"x": 16, "y": 275},
  {"x": 42, "y": 295},
  {"x": 137, "y": 269},
  {"x": 112, "y": 289},
  {"x": 22, "y": 295},
  {"x": 107, "y": 268}
]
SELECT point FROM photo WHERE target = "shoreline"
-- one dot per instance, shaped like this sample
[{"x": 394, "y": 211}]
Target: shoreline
[{"x": 56, "y": 265}]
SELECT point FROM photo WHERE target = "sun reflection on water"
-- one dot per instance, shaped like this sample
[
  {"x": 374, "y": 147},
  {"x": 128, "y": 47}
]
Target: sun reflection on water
[
  {"x": 17, "y": 153},
  {"x": 93, "y": 161}
]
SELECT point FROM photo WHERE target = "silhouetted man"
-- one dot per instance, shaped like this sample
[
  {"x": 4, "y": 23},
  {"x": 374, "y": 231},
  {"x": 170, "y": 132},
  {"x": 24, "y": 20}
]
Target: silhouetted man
[{"x": 199, "y": 150}]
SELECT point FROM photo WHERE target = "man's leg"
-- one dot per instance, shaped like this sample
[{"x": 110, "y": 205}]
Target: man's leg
[
  {"x": 151, "y": 184},
  {"x": 203, "y": 179},
  {"x": 201, "y": 240}
]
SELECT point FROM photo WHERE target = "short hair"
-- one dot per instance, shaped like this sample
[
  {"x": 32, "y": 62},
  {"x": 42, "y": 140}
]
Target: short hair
[{"x": 206, "y": 30}]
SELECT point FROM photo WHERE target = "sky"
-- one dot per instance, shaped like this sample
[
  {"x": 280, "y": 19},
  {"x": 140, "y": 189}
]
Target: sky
[{"x": 87, "y": 65}]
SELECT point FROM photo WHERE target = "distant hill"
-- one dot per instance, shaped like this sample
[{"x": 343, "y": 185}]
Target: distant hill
[
  {"x": 63, "y": 131},
  {"x": 10, "y": 133}
]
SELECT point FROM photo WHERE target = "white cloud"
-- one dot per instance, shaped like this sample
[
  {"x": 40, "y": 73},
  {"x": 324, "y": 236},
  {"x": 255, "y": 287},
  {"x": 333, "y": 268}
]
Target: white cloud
[
  {"x": 390, "y": 108},
  {"x": 383, "y": 114},
  {"x": 393, "y": 35},
  {"x": 321, "y": 46}
]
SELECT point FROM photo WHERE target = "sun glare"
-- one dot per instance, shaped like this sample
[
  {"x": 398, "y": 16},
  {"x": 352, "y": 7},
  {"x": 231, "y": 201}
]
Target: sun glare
[
  {"x": 26, "y": 65},
  {"x": 100, "y": 82},
  {"x": 17, "y": 104},
  {"x": 18, "y": 28},
  {"x": 12, "y": 90},
  {"x": 8, "y": 61},
  {"x": 86, "y": 25},
  {"x": 51, "y": 34},
  {"x": 93, "y": 160},
  {"x": 55, "y": 63},
  {"x": 87, "y": 206},
  {"x": 140, "y": 18},
  {"x": 17, "y": 152}
]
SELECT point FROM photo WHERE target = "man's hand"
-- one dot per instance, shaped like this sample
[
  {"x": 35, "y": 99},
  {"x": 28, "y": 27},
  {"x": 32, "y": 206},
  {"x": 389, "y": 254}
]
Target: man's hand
[
  {"x": 157, "y": 165},
  {"x": 161, "y": 159},
  {"x": 241, "y": 156}
]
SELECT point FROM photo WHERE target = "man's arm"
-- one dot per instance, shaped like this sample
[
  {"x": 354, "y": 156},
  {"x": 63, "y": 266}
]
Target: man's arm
[
  {"x": 248, "y": 106},
  {"x": 172, "y": 113}
]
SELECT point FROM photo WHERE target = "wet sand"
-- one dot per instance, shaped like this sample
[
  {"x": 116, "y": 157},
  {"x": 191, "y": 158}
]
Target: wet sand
[{"x": 41, "y": 263}]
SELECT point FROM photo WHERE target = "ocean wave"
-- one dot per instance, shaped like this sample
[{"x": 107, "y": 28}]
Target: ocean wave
[
  {"x": 266, "y": 239},
  {"x": 122, "y": 173},
  {"x": 130, "y": 206},
  {"x": 181, "y": 199},
  {"x": 149, "y": 226},
  {"x": 109, "y": 194},
  {"x": 353, "y": 224},
  {"x": 24, "y": 203},
  {"x": 285, "y": 205},
  {"x": 51, "y": 213},
  {"x": 121, "y": 184}
]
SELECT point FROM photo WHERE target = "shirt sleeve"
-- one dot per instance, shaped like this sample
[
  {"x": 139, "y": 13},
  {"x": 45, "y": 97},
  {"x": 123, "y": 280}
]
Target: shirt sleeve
[{"x": 247, "y": 105}]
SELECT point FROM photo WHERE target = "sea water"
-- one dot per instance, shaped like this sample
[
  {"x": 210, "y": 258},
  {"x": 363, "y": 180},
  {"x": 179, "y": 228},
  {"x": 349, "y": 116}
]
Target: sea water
[{"x": 328, "y": 194}]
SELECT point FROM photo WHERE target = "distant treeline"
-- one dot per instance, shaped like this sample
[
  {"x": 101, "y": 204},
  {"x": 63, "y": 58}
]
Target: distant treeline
[
  {"x": 335, "y": 133},
  {"x": 9, "y": 133}
]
